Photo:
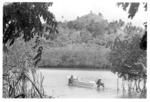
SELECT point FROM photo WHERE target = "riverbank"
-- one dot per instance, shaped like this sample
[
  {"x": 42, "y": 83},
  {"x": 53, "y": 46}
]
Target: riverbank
[{"x": 75, "y": 67}]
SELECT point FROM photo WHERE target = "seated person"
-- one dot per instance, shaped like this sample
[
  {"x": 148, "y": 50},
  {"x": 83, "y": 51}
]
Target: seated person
[
  {"x": 99, "y": 83},
  {"x": 71, "y": 79}
]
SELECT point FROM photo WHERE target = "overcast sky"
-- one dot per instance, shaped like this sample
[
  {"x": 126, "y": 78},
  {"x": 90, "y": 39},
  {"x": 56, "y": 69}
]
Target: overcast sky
[{"x": 70, "y": 9}]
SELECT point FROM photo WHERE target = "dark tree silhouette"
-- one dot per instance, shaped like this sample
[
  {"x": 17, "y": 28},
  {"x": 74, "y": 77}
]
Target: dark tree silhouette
[
  {"x": 24, "y": 19},
  {"x": 143, "y": 43}
]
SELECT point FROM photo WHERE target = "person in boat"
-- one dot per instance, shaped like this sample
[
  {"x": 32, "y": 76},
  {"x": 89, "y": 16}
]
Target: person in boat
[
  {"x": 99, "y": 83},
  {"x": 71, "y": 80}
]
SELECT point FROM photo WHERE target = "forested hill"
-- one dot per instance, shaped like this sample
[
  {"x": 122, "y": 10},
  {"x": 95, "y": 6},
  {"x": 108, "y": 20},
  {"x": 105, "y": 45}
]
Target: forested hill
[{"x": 86, "y": 41}]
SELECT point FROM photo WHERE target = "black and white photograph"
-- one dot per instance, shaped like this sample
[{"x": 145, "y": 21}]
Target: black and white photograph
[{"x": 78, "y": 49}]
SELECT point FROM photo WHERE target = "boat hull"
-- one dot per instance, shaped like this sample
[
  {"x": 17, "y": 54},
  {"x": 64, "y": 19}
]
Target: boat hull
[{"x": 83, "y": 84}]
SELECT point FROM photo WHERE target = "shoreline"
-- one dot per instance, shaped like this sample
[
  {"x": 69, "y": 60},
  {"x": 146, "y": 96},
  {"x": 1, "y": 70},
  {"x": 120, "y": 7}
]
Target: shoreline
[{"x": 74, "y": 68}]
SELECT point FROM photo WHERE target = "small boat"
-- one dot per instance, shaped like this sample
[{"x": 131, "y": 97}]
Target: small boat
[{"x": 80, "y": 83}]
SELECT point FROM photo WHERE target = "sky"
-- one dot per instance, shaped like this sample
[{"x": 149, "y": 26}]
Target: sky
[{"x": 70, "y": 9}]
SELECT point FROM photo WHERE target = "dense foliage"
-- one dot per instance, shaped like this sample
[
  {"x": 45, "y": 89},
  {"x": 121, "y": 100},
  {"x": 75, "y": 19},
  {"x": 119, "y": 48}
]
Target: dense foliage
[
  {"x": 126, "y": 54},
  {"x": 24, "y": 19}
]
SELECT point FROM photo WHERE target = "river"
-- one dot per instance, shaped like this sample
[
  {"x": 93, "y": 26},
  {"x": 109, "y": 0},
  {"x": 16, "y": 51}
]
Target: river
[{"x": 56, "y": 83}]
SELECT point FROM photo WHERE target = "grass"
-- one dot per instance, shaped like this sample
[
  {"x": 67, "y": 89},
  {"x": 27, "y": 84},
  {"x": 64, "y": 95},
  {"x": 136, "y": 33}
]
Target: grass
[{"x": 22, "y": 82}]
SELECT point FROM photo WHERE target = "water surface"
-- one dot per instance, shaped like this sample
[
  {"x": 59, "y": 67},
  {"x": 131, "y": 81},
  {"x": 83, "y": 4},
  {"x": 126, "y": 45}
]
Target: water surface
[{"x": 56, "y": 83}]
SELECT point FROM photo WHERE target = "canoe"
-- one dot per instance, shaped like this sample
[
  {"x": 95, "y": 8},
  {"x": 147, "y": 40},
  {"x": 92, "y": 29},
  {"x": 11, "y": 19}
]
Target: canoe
[{"x": 86, "y": 84}]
